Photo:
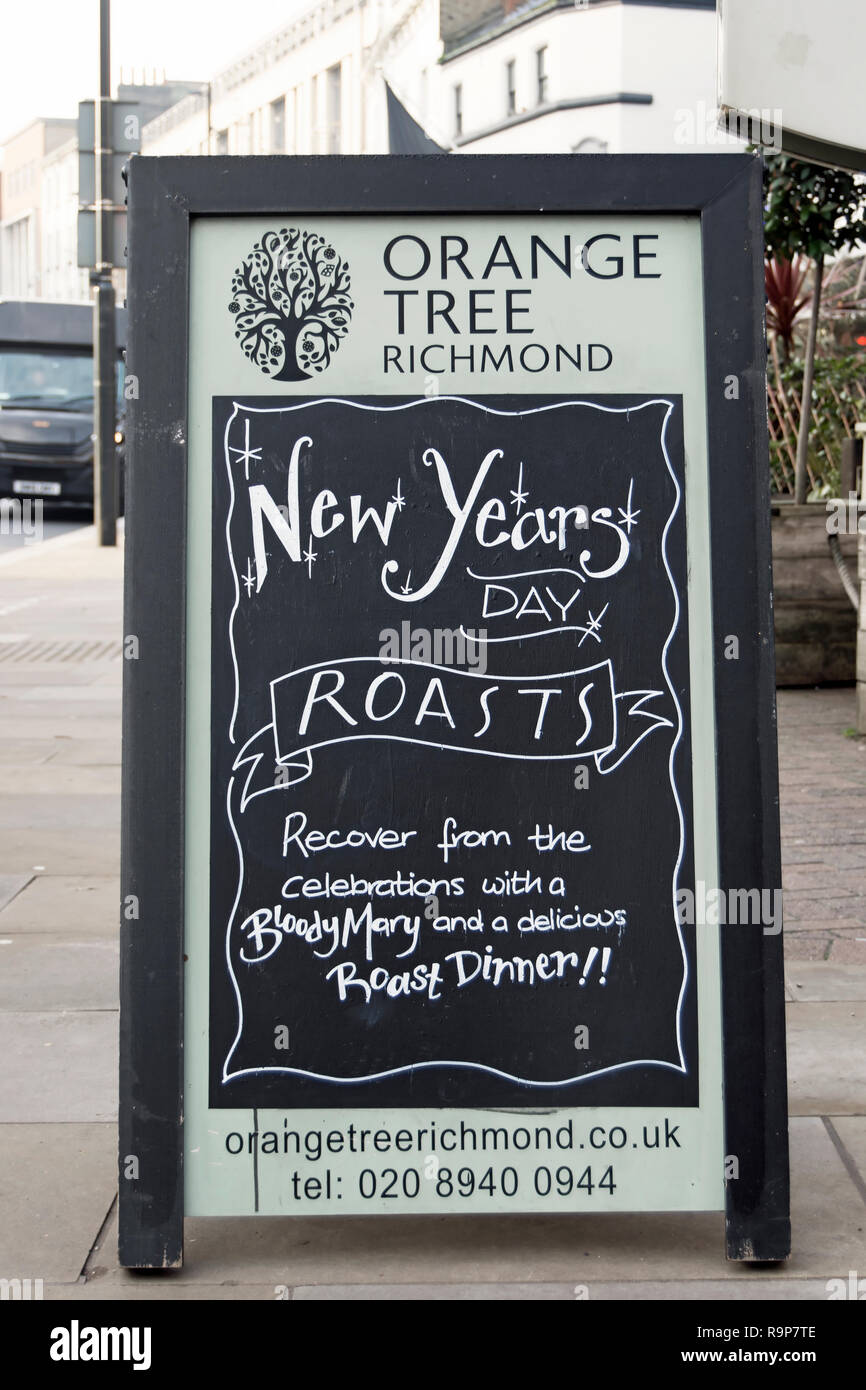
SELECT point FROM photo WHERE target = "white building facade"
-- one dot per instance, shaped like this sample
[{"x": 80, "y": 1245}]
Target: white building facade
[
  {"x": 313, "y": 87},
  {"x": 62, "y": 277},
  {"x": 22, "y": 222},
  {"x": 40, "y": 202},
  {"x": 557, "y": 76},
  {"x": 481, "y": 77}
]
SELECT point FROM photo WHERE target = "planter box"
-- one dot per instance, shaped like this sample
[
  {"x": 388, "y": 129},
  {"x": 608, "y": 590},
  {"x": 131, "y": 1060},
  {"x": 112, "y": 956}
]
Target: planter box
[{"x": 815, "y": 623}]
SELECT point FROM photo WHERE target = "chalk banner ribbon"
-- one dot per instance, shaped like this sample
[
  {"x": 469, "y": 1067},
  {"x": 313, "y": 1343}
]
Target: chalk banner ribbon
[{"x": 569, "y": 714}]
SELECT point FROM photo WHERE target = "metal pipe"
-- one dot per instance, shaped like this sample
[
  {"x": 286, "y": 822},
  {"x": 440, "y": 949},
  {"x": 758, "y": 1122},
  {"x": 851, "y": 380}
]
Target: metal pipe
[{"x": 105, "y": 487}]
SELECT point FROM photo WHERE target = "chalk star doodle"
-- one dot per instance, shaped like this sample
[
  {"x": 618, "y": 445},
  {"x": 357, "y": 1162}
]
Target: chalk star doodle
[
  {"x": 519, "y": 494},
  {"x": 247, "y": 455},
  {"x": 398, "y": 499},
  {"x": 629, "y": 517},
  {"x": 310, "y": 557},
  {"x": 593, "y": 626},
  {"x": 249, "y": 578}
]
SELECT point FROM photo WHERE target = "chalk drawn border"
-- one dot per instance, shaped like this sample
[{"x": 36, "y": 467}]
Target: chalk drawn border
[{"x": 682, "y": 1067}]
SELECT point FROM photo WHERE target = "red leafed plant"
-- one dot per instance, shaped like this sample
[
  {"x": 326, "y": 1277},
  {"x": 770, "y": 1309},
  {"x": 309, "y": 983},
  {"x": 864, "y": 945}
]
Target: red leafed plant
[{"x": 786, "y": 297}]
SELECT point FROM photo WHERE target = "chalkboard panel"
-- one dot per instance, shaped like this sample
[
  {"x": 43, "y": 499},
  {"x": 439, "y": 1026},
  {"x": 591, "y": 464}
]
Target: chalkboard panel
[{"x": 450, "y": 768}]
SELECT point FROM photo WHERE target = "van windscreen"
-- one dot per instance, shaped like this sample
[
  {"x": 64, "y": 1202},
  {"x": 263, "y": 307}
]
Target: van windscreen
[{"x": 51, "y": 380}]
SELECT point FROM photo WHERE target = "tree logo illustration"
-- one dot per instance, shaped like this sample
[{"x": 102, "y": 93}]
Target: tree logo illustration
[{"x": 291, "y": 304}]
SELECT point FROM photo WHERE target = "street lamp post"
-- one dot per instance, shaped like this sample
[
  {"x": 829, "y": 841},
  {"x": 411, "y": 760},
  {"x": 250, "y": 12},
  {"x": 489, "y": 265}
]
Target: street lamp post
[{"x": 105, "y": 479}]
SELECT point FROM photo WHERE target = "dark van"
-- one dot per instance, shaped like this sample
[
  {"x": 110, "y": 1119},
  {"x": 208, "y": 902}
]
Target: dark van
[{"x": 46, "y": 400}]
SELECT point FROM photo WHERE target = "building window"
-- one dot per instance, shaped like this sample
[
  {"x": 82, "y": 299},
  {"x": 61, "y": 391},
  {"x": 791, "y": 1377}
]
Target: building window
[
  {"x": 278, "y": 126},
  {"x": 458, "y": 110},
  {"x": 335, "y": 105},
  {"x": 244, "y": 135},
  {"x": 541, "y": 75},
  {"x": 314, "y": 115},
  {"x": 222, "y": 142},
  {"x": 510, "y": 88}
]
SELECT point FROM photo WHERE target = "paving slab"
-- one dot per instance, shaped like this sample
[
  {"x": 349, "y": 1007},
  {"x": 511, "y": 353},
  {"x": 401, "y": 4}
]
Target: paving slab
[
  {"x": 58, "y": 1068},
  {"x": 43, "y": 973},
  {"x": 849, "y": 947},
  {"x": 674, "y": 1291},
  {"x": 826, "y": 1058},
  {"x": 55, "y": 779},
  {"x": 43, "y": 693},
  {"x": 58, "y": 1182},
  {"x": 805, "y": 878},
  {"x": 10, "y": 886},
  {"x": 851, "y": 1131},
  {"x": 849, "y": 855},
  {"x": 30, "y": 675},
  {"x": 62, "y": 727},
  {"x": 807, "y": 946},
  {"x": 96, "y": 811},
  {"x": 803, "y": 908},
  {"x": 79, "y": 849},
  {"x": 797, "y": 707},
  {"x": 64, "y": 904},
  {"x": 831, "y": 926},
  {"x": 828, "y": 1219},
  {"x": 24, "y": 751},
  {"x": 819, "y": 981},
  {"x": 162, "y": 1286},
  {"x": 95, "y": 752}
]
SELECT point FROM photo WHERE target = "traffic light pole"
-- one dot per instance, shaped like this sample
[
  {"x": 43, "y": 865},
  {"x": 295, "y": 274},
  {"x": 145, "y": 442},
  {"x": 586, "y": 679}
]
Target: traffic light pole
[{"x": 105, "y": 481}]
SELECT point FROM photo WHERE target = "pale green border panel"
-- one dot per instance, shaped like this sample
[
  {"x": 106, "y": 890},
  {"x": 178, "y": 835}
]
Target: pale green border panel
[{"x": 655, "y": 329}]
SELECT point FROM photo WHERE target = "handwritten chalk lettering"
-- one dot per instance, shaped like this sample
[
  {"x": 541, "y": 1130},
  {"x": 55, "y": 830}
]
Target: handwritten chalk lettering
[
  {"x": 501, "y": 600},
  {"x": 404, "y": 885},
  {"x": 530, "y": 529},
  {"x": 285, "y": 523},
  {"x": 475, "y": 922},
  {"x": 555, "y": 919},
  {"x": 358, "y": 698},
  {"x": 475, "y": 966},
  {"x": 548, "y": 526},
  {"x": 573, "y": 841},
  {"x": 315, "y": 841},
  {"x": 423, "y": 979},
  {"x": 512, "y": 884},
  {"x": 265, "y": 930},
  {"x": 452, "y": 838}
]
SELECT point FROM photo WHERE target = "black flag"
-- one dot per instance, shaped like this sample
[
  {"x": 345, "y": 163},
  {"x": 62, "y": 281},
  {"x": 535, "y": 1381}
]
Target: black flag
[{"x": 405, "y": 135}]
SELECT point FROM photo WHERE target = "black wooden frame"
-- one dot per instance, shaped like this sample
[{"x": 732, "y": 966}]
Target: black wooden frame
[{"x": 725, "y": 191}]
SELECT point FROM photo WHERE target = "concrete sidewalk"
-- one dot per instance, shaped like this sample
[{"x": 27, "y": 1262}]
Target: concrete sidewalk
[{"x": 60, "y": 669}]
